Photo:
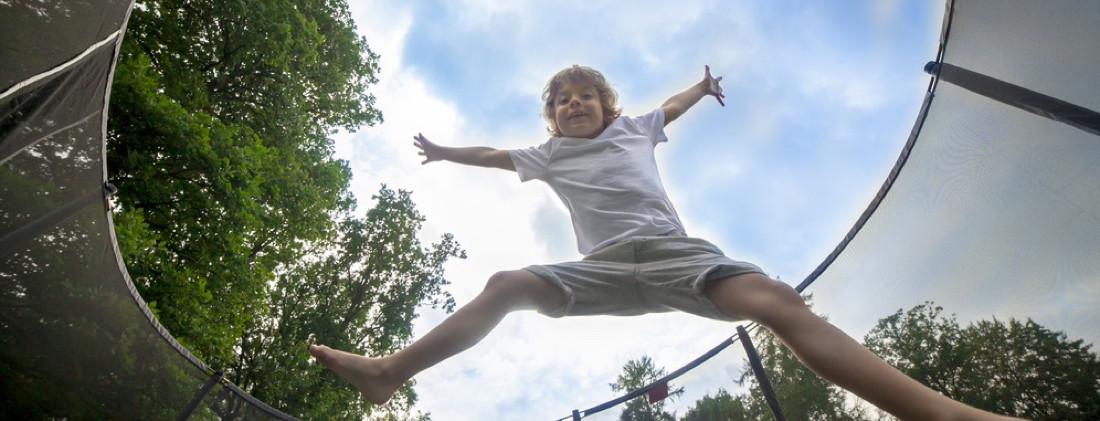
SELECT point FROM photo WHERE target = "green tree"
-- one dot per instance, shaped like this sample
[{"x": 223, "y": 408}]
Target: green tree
[
  {"x": 218, "y": 140},
  {"x": 358, "y": 291},
  {"x": 234, "y": 216},
  {"x": 720, "y": 407},
  {"x": 638, "y": 373},
  {"x": 1018, "y": 368},
  {"x": 801, "y": 393}
]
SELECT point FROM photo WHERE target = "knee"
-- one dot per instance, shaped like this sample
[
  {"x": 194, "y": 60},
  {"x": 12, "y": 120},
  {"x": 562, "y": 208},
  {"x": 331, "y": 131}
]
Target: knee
[
  {"x": 500, "y": 283},
  {"x": 756, "y": 297},
  {"x": 779, "y": 304},
  {"x": 520, "y": 289},
  {"x": 503, "y": 292},
  {"x": 783, "y": 293},
  {"x": 514, "y": 284}
]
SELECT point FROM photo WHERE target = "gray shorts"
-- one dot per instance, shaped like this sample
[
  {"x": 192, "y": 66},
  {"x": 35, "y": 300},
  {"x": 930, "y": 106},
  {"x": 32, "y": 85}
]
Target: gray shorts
[{"x": 643, "y": 275}]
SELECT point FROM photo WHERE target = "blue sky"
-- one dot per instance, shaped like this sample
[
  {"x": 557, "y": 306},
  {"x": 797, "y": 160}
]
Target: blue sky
[{"x": 820, "y": 99}]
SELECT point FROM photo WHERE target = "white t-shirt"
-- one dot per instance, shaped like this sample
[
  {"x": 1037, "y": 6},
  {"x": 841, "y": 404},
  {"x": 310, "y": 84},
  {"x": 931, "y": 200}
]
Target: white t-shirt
[{"x": 609, "y": 184}]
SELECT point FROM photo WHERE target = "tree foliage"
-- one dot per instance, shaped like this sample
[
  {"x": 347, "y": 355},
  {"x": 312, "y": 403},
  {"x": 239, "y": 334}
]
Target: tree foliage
[
  {"x": 1016, "y": 367},
  {"x": 357, "y": 291},
  {"x": 218, "y": 142},
  {"x": 720, "y": 407},
  {"x": 802, "y": 394},
  {"x": 636, "y": 374},
  {"x": 233, "y": 215}
]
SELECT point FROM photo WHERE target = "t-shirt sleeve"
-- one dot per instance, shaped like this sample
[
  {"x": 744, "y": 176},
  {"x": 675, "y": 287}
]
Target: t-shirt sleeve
[
  {"x": 531, "y": 163},
  {"x": 653, "y": 125}
]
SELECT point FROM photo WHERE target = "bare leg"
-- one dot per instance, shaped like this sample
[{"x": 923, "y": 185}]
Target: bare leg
[
  {"x": 833, "y": 354},
  {"x": 379, "y": 378}
]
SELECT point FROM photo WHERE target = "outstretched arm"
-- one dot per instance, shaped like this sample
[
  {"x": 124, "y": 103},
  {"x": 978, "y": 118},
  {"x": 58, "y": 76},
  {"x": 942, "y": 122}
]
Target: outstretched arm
[
  {"x": 678, "y": 104},
  {"x": 480, "y": 156}
]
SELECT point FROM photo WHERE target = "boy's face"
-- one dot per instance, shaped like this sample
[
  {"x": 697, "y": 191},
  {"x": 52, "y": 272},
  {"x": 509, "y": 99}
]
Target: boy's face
[{"x": 578, "y": 111}]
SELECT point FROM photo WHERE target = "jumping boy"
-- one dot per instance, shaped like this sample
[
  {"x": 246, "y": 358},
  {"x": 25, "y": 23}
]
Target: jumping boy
[{"x": 638, "y": 258}]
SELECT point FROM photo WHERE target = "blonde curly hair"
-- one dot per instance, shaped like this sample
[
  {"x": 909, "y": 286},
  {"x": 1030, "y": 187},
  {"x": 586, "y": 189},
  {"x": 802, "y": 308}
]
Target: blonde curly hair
[{"x": 580, "y": 75}]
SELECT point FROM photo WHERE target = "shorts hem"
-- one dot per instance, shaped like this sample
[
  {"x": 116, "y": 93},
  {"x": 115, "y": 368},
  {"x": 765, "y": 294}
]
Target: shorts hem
[
  {"x": 716, "y": 273},
  {"x": 723, "y": 271},
  {"x": 549, "y": 276}
]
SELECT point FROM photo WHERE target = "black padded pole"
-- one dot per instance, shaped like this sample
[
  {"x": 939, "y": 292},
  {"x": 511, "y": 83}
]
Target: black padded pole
[
  {"x": 1018, "y": 96},
  {"x": 214, "y": 379},
  {"x": 761, "y": 377}
]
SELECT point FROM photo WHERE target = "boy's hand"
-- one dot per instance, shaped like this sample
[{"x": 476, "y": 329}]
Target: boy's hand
[
  {"x": 428, "y": 150},
  {"x": 678, "y": 104},
  {"x": 480, "y": 156},
  {"x": 711, "y": 86}
]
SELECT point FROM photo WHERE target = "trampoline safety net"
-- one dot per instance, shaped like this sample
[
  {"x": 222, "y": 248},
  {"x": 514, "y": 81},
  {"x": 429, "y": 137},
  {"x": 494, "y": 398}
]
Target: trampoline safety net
[
  {"x": 995, "y": 210},
  {"x": 76, "y": 340}
]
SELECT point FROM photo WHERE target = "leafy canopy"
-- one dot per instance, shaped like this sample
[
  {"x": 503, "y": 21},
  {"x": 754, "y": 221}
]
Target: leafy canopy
[{"x": 233, "y": 215}]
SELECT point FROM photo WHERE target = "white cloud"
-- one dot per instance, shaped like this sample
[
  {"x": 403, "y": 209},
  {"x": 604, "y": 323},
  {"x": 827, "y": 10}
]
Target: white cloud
[{"x": 884, "y": 12}]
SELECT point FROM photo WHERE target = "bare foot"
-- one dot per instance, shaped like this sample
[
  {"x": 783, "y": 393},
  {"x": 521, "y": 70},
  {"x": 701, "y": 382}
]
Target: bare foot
[{"x": 366, "y": 374}]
